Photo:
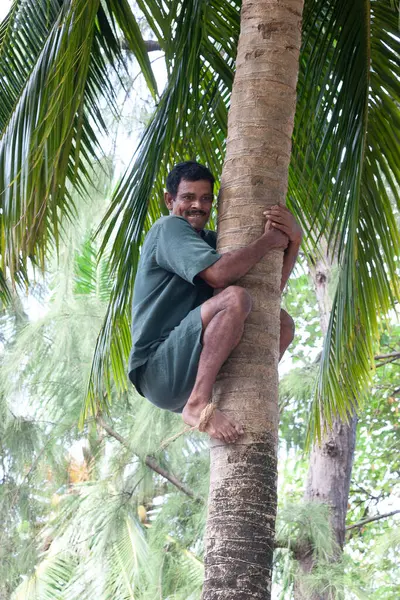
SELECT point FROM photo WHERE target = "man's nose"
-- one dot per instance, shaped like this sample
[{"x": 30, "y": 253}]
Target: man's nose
[{"x": 197, "y": 204}]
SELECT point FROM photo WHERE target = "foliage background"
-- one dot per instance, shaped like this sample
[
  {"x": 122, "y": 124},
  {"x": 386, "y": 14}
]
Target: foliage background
[{"x": 82, "y": 514}]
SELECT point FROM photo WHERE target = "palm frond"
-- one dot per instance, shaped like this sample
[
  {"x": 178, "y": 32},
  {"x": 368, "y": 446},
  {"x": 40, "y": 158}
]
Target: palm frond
[
  {"x": 55, "y": 68},
  {"x": 49, "y": 579},
  {"x": 5, "y": 295},
  {"x": 346, "y": 181},
  {"x": 125, "y": 19},
  {"x": 40, "y": 138},
  {"x": 92, "y": 277}
]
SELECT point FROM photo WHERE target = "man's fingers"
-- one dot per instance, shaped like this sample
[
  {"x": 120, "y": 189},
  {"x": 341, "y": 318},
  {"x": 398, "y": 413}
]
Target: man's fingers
[
  {"x": 275, "y": 215},
  {"x": 268, "y": 225},
  {"x": 278, "y": 208},
  {"x": 281, "y": 227},
  {"x": 281, "y": 222},
  {"x": 279, "y": 219}
]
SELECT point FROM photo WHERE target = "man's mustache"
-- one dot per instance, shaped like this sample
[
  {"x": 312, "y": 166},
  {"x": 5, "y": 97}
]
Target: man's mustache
[{"x": 193, "y": 213}]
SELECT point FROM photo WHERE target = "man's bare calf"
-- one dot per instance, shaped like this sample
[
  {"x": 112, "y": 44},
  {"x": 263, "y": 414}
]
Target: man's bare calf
[{"x": 223, "y": 317}]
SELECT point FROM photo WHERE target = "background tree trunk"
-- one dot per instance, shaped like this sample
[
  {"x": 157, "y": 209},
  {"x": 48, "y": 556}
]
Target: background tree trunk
[
  {"x": 242, "y": 502},
  {"x": 329, "y": 474}
]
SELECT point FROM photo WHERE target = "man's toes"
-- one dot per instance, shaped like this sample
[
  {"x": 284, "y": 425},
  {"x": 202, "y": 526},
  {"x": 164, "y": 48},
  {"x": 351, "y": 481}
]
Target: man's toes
[
  {"x": 239, "y": 429},
  {"x": 225, "y": 430},
  {"x": 223, "y": 435},
  {"x": 231, "y": 434},
  {"x": 234, "y": 429}
]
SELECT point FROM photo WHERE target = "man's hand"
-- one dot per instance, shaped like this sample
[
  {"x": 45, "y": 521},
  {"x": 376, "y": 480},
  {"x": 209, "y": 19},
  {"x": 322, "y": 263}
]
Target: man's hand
[
  {"x": 278, "y": 239},
  {"x": 281, "y": 219}
]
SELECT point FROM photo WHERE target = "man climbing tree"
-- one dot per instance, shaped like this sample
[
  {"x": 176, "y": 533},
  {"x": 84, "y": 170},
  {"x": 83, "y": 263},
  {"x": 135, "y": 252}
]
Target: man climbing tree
[{"x": 182, "y": 333}]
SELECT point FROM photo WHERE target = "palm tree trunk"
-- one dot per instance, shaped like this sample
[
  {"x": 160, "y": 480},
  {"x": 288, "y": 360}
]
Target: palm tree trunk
[
  {"x": 328, "y": 479},
  {"x": 242, "y": 502}
]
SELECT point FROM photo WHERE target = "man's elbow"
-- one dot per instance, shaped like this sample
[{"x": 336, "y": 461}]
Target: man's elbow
[{"x": 214, "y": 278}]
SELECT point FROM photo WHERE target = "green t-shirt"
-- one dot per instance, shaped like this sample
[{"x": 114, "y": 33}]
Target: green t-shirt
[{"x": 167, "y": 287}]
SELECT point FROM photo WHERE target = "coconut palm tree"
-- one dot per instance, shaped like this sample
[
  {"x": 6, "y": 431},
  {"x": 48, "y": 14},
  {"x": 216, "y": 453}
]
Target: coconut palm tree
[
  {"x": 239, "y": 541},
  {"x": 344, "y": 159}
]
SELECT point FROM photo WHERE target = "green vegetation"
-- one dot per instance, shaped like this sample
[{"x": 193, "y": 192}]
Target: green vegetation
[
  {"x": 95, "y": 498},
  {"x": 83, "y": 514}
]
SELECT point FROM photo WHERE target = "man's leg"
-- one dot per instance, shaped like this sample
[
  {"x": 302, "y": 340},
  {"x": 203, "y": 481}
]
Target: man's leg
[
  {"x": 223, "y": 318},
  {"x": 287, "y": 332}
]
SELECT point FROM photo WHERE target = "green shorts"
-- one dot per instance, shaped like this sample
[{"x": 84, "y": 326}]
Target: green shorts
[{"x": 168, "y": 377}]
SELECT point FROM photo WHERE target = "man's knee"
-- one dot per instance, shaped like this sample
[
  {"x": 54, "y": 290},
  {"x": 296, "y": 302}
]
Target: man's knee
[
  {"x": 238, "y": 299},
  {"x": 287, "y": 327}
]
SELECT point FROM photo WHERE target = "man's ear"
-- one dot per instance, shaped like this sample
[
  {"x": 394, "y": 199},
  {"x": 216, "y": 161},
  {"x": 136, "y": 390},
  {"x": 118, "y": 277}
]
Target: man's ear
[{"x": 168, "y": 199}]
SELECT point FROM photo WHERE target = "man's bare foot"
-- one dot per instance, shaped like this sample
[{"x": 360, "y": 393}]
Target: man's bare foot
[{"x": 219, "y": 426}]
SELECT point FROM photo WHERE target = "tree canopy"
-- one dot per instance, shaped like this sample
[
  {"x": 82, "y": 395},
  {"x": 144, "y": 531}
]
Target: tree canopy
[{"x": 55, "y": 63}]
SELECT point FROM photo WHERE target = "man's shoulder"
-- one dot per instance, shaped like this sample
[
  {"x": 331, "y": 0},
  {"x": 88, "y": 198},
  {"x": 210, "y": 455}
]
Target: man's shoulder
[
  {"x": 172, "y": 226},
  {"x": 167, "y": 224}
]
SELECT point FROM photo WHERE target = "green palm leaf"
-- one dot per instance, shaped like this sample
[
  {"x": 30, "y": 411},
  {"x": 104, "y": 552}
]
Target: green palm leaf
[
  {"x": 346, "y": 174},
  {"x": 49, "y": 580},
  {"x": 126, "y": 21},
  {"x": 54, "y": 68},
  {"x": 5, "y": 296}
]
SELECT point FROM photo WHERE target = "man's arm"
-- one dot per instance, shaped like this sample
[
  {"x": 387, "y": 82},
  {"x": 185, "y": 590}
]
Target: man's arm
[
  {"x": 233, "y": 265},
  {"x": 281, "y": 219},
  {"x": 289, "y": 260}
]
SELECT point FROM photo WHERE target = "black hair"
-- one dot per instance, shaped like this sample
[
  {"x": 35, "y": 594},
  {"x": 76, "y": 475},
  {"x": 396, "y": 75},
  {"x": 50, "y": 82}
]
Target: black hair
[{"x": 189, "y": 171}]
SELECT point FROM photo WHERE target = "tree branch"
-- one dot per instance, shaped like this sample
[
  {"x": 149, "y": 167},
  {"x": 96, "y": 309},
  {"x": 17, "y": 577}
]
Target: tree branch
[
  {"x": 390, "y": 355},
  {"x": 385, "y": 362},
  {"x": 376, "y": 518},
  {"x": 150, "y": 462},
  {"x": 151, "y": 46},
  {"x": 387, "y": 358}
]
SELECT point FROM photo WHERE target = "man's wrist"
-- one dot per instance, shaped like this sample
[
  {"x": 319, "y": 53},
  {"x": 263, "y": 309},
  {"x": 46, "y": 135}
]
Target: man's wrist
[
  {"x": 295, "y": 243},
  {"x": 267, "y": 241}
]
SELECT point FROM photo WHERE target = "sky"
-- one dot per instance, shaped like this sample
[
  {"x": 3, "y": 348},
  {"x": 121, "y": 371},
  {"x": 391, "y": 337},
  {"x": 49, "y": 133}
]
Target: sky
[{"x": 4, "y": 8}]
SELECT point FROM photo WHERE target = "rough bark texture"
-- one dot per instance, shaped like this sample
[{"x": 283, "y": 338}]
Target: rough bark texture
[
  {"x": 329, "y": 473},
  {"x": 242, "y": 502}
]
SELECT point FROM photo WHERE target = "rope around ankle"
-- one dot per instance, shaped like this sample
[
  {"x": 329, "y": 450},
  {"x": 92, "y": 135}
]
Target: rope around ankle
[{"x": 205, "y": 417}]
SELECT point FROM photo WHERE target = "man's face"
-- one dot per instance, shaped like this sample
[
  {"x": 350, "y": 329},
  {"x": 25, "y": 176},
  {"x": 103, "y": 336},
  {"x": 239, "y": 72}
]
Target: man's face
[{"x": 193, "y": 202}]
